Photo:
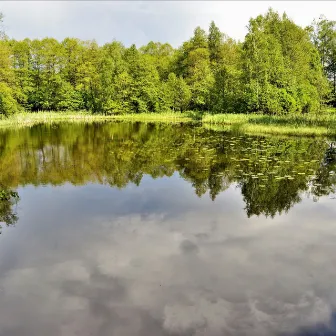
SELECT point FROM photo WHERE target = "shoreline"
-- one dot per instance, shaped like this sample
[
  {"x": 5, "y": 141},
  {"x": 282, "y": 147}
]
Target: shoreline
[
  {"x": 309, "y": 125},
  {"x": 27, "y": 119}
]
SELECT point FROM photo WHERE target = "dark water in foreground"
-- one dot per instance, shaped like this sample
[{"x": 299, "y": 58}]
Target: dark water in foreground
[{"x": 131, "y": 229}]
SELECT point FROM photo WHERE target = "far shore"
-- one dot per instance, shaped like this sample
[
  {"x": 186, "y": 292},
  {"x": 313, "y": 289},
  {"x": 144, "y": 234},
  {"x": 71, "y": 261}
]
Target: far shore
[{"x": 323, "y": 124}]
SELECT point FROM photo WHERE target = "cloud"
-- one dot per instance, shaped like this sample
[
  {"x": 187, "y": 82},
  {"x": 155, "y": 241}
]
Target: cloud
[
  {"x": 207, "y": 270},
  {"x": 142, "y": 21}
]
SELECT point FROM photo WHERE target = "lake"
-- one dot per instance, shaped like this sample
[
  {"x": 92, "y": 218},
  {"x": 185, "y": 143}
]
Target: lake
[{"x": 156, "y": 229}]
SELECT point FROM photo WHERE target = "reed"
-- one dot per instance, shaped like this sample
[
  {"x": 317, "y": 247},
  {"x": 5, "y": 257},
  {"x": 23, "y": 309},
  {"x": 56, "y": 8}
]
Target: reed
[{"x": 323, "y": 124}]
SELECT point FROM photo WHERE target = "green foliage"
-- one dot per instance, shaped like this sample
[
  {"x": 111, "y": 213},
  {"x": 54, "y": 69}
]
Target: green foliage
[
  {"x": 7, "y": 199},
  {"x": 193, "y": 64},
  {"x": 161, "y": 56},
  {"x": 8, "y": 104},
  {"x": 215, "y": 39},
  {"x": 323, "y": 35},
  {"x": 276, "y": 70},
  {"x": 281, "y": 74},
  {"x": 177, "y": 93},
  {"x": 9, "y": 93},
  {"x": 225, "y": 93},
  {"x": 8, "y": 89}
]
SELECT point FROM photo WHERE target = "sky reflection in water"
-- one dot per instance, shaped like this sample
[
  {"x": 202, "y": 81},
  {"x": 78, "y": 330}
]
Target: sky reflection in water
[{"x": 94, "y": 253}]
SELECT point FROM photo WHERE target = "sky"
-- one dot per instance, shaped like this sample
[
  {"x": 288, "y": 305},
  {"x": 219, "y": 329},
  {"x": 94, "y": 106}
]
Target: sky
[
  {"x": 142, "y": 21},
  {"x": 158, "y": 260}
]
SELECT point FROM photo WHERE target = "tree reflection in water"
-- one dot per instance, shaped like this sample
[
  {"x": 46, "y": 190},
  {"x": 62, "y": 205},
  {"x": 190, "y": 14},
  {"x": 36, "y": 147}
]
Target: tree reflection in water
[{"x": 272, "y": 172}]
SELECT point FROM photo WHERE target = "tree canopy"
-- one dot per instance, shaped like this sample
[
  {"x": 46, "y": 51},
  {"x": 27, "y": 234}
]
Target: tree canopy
[{"x": 279, "y": 68}]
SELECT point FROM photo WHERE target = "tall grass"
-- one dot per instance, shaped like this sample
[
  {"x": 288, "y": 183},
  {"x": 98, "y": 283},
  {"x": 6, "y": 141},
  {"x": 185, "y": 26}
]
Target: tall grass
[
  {"x": 323, "y": 124},
  {"x": 160, "y": 117},
  {"x": 310, "y": 124},
  {"x": 33, "y": 118}
]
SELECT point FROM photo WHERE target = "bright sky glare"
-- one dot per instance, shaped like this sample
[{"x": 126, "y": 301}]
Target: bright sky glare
[{"x": 142, "y": 21}]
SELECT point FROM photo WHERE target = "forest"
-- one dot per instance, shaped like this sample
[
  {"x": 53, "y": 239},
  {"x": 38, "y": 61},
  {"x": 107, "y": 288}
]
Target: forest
[{"x": 279, "y": 69}]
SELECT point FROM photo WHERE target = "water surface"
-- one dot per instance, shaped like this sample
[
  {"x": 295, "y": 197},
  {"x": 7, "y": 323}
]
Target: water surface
[{"x": 150, "y": 230}]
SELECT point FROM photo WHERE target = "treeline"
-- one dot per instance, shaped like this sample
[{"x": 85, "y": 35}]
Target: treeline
[{"x": 279, "y": 68}]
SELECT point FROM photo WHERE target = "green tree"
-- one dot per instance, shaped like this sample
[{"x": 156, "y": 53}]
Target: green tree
[
  {"x": 21, "y": 56},
  {"x": 9, "y": 92},
  {"x": 145, "y": 88},
  {"x": 215, "y": 43},
  {"x": 323, "y": 34},
  {"x": 177, "y": 93},
  {"x": 225, "y": 64},
  {"x": 281, "y": 72},
  {"x": 161, "y": 56},
  {"x": 193, "y": 64},
  {"x": 280, "y": 68},
  {"x": 89, "y": 77}
]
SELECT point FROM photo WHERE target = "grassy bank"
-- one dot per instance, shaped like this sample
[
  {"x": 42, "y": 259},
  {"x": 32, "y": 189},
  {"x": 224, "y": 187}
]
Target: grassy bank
[
  {"x": 323, "y": 124},
  {"x": 156, "y": 117},
  {"x": 30, "y": 119}
]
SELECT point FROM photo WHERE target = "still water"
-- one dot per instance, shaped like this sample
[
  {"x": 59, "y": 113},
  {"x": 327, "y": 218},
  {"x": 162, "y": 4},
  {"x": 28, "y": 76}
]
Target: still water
[{"x": 139, "y": 229}]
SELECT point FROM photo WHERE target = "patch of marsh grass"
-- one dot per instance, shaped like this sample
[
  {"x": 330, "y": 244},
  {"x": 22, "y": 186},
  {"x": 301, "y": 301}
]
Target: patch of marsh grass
[
  {"x": 32, "y": 118},
  {"x": 323, "y": 124}
]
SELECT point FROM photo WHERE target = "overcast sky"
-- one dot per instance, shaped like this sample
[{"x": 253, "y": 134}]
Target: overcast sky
[{"x": 142, "y": 21}]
